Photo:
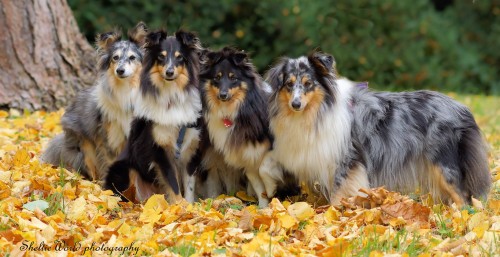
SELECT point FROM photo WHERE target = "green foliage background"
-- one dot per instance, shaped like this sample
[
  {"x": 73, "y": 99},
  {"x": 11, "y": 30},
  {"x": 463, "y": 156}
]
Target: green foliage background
[{"x": 393, "y": 44}]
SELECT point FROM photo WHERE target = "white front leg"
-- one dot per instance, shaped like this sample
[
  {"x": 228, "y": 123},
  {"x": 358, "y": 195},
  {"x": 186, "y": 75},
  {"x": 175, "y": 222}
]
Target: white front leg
[
  {"x": 189, "y": 183},
  {"x": 258, "y": 186},
  {"x": 271, "y": 173}
]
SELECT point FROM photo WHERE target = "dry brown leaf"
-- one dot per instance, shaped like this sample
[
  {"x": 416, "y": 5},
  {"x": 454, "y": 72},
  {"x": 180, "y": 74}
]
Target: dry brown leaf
[
  {"x": 246, "y": 220},
  {"x": 130, "y": 194},
  {"x": 408, "y": 210}
]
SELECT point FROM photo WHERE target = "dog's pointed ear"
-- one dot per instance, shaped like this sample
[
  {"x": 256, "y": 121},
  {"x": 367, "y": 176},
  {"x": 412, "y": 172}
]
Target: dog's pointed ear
[
  {"x": 188, "y": 39},
  {"x": 154, "y": 38},
  {"x": 240, "y": 58},
  {"x": 323, "y": 63},
  {"x": 274, "y": 76},
  {"x": 105, "y": 40},
  {"x": 212, "y": 57},
  {"x": 138, "y": 33}
]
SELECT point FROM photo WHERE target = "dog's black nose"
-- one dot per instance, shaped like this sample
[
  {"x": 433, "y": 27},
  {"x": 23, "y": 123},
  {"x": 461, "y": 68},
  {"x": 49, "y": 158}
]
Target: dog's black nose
[
  {"x": 120, "y": 71},
  {"x": 223, "y": 96},
  {"x": 169, "y": 73},
  {"x": 296, "y": 104}
]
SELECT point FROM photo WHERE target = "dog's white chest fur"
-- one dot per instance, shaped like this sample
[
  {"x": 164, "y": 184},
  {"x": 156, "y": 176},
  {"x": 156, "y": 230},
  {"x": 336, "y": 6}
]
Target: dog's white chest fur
[
  {"x": 171, "y": 107},
  {"x": 170, "y": 110},
  {"x": 239, "y": 156},
  {"x": 116, "y": 105},
  {"x": 313, "y": 151}
]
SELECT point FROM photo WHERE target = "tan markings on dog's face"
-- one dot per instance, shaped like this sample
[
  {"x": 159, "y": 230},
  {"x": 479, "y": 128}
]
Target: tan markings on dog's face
[
  {"x": 180, "y": 74},
  {"x": 114, "y": 81},
  {"x": 155, "y": 74},
  {"x": 135, "y": 79},
  {"x": 124, "y": 69},
  {"x": 237, "y": 94},
  {"x": 290, "y": 81},
  {"x": 284, "y": 98},
  {"x": 312, "y": 101},
  {"x": 305, "y": 81},
  {"x": 211, "y": 95},
  {"x": 182, "y": 79}
]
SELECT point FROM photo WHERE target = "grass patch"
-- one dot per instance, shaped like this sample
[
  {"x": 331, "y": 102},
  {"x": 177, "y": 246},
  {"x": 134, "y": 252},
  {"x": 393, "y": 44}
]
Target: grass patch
[
  {"x": 402, "y": 242},
  {"x": 220, "y": 251},
  {"x": 184, "y": 250},
  {"x": 486, "y": 110},
  {"x": 303, "y": 224},
  {"x": 62, "y": 177},
  {"x": 442, "y": 227},
  {"x": 56, "y": 203},
  {"x": 208, "y": 205},
  {"x": 4, "y": 227}
]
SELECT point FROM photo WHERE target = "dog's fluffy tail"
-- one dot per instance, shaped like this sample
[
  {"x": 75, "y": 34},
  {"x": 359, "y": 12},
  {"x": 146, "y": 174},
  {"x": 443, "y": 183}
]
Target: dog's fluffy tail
[
  {"x": 60, "y": 153},
  {"x": 473, "y": 161},
  {"x": 53, "y": 152}
]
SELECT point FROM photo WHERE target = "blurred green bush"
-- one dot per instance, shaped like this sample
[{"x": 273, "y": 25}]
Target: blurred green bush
[{"x": 395, "y": 45}]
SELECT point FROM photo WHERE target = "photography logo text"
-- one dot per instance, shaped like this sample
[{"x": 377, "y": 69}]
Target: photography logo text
[{"x": 62, "y": 246}]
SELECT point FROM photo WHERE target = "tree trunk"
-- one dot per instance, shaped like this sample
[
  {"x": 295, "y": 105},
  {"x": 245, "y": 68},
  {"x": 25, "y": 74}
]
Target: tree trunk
[{"x": 44, "y": 59}]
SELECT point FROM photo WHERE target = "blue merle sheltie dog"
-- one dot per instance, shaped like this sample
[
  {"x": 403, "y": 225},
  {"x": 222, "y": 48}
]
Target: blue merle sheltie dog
[
  {"x": 235, "y": 112},
  {"x": 96, "y": 125},
  {"x": 167, "y": 108},
  {"x": 330, "y": 131}
]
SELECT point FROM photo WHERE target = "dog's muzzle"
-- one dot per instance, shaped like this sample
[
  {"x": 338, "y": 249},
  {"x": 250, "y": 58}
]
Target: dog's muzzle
[
  {"x": 296, "y": 105},
  {"x": 224, "y": 96},
  {"x": 170, "y": 74},
  {"x": 120, "y": 72}
]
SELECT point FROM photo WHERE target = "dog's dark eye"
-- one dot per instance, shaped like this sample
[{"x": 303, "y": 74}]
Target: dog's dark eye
[
  {"x": 289, "y": 84},
  {"x": 233, "y": 78},
  {"x": 161, "y": 57},
  {"x": 116, "y": 57},
  {"x": 132, "y": 57},
  {"x": 308, "y": 84},
  {"x": 179, "y": 58},
  {"x": 217, "y": 77}
]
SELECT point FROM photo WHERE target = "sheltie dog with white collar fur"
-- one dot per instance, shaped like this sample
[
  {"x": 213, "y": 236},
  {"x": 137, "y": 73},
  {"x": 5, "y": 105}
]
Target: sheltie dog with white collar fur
[
  {"x": 328, "y": 130},
  {"x": 235, "y": 112},
  {"x": 96, "y": 125},
  {"x": 164, "y": 135}
]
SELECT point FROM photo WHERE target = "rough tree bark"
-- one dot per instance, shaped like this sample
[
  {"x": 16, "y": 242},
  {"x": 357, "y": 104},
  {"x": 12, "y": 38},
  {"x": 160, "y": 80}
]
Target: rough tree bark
[{"x": 44, "y": 59}]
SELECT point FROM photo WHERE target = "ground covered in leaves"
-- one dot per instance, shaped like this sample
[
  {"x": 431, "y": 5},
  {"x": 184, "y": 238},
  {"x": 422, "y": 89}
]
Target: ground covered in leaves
[{"x": 46, "y": 211}]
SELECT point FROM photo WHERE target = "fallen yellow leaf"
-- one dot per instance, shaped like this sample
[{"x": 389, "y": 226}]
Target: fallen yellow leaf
[
  {"x": 153, "y": 209},
  {"x": 287, "y": 221},
  {"x": 301, "y": 210},
  {"x": 247, "y": 198}
]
